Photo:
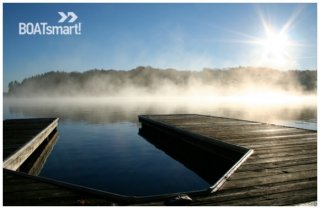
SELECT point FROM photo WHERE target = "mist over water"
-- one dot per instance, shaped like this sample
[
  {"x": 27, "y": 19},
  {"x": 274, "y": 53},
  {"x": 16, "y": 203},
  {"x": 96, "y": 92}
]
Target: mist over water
[
  {"x": 154, "y": 82},
  {"x": 104, "y": 96},
  {"x": 94, "y": 110}
]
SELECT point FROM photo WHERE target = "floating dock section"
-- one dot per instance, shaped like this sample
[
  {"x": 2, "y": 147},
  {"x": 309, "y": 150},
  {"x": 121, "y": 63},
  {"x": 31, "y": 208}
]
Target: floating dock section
[{"x": 281, "y": 171}]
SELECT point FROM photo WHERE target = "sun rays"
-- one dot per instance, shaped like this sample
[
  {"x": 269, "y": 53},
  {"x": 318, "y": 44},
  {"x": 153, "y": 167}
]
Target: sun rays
[{"x": 274, "y": 47}]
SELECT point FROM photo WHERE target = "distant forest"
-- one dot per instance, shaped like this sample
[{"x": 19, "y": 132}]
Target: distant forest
[{"x": 100, "y": 82}]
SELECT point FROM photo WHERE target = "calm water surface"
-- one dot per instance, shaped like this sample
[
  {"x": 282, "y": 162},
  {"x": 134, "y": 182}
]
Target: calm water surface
[{"x": 99, "y": 145}]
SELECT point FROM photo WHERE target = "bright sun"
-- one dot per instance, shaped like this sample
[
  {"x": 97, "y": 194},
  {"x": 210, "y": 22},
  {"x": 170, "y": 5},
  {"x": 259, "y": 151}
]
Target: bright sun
[
  {"x": 274, "y": 49},
  {"x": 275, "y": 45}
]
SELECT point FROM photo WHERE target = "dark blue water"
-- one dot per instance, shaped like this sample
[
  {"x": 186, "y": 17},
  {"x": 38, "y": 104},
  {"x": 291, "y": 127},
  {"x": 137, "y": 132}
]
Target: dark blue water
[
  {"x": 115, "y": 158},
  {"x": 99, "y": 145}
]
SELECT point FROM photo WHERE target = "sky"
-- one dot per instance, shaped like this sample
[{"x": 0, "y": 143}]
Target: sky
[{"x": 184, "y": 36}]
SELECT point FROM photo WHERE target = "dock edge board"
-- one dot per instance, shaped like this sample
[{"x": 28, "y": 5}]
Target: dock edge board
[{"x": 14, "y": 161}]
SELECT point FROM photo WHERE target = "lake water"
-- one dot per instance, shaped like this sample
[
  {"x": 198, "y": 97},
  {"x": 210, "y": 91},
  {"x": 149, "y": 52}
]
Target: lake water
[{"x": 99, "y": 145}]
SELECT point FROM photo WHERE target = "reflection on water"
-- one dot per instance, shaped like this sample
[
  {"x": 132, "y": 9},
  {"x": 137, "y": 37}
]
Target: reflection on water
[
  {"x": 99, "y": 145},
  {"x": 108, "y": 111},
  {"x": 207, "y": 164},
  {"x": 34, "y": 164}
]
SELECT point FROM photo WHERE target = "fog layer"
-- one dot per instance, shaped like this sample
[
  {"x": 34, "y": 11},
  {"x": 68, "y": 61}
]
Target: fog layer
[{"x": 152, "y": 82}]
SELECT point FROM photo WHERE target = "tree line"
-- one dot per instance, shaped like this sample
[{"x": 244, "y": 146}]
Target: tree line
[{"x": 100, "y": 82}]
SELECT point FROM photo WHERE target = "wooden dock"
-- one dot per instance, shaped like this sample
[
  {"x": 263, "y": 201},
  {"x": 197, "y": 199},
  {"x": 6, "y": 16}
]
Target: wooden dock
[
  {"x": 21, "y": 137},
  {"x": 281, "y": 171}
]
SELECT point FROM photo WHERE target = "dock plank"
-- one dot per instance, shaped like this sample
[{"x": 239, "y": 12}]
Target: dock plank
[{"x": 238, "y": 194}]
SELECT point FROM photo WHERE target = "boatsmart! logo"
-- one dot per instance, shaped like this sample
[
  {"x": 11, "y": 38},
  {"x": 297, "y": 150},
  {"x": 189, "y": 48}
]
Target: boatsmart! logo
[{"x": 63, "y": 27}]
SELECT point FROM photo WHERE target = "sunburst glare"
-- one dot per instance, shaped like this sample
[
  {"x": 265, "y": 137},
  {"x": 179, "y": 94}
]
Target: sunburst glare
[
  {"x": 275, "y": 46},
  {"x": 275, "y": 49}
]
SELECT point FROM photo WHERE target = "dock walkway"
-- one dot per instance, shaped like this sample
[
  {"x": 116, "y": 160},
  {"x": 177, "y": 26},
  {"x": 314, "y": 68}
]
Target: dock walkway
[{"x": 281, "y": 171}]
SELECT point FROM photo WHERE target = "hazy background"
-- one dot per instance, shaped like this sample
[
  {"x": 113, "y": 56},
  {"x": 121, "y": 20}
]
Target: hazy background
[{"x": 179, "y": 36}]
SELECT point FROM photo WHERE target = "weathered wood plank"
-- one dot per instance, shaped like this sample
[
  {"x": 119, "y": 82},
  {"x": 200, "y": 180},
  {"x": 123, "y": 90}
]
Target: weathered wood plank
[
  {"x": 272, "y": 165},
  {"x": 264, "y": 172},
  {"x": 256, "y": 160},
  {"x": 258, "y": 191},
  {"x": 287, "y": 148},
  {"x": 276, "y": 199},
  {"x": 238, "y": 183},
  {"x": 28, "y": 145},
  {"x": 261, "y": 155}
]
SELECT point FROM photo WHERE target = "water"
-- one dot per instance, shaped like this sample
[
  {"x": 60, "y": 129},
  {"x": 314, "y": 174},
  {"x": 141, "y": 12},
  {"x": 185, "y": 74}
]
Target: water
[{"x": 99, "y": 145}]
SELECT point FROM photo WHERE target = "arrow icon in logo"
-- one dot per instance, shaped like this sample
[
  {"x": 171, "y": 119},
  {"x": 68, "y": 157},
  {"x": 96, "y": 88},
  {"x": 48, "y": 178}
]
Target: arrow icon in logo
[
  {"x": 64, "y": 17},
  {"x": 73, "y": 16}
]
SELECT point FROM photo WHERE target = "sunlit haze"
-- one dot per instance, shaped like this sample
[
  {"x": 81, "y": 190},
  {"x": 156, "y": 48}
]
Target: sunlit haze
[{"x": 181, "y": 36}]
